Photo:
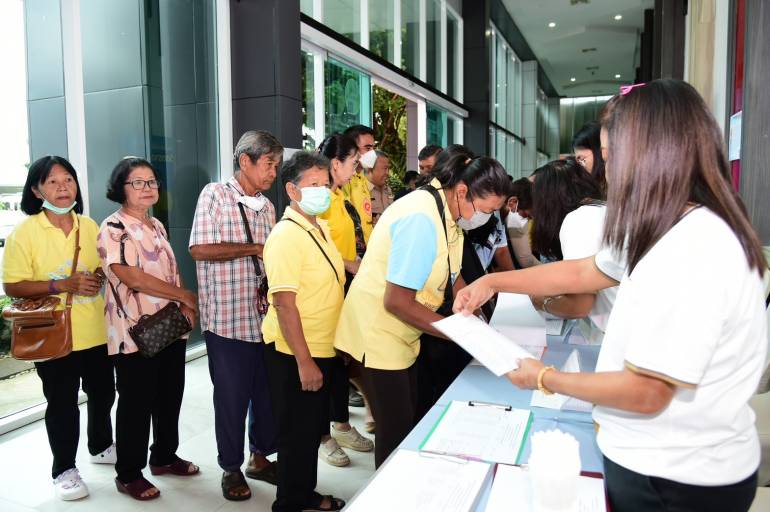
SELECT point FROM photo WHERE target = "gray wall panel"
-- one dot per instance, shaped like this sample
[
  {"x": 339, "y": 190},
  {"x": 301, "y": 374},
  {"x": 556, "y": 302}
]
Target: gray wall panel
[
  {"x": 182, "y": 178},
  {"x": 47, "y": 128},
  {"x": 177, "y": 41},
  {"x": 45, "y": 67}
]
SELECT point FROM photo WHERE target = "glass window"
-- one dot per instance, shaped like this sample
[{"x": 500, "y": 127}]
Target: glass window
[
  {"x": 381, "y": 28},
  {"x": 410, "y": 36},
  {"x": 348, "y": 97},
  {"x": 433, "y": 55},
  {"x": 309, "y": 137},
  {"x": 436, "y": 125},
  {"x": 454, "y": 66},
  {"x": 344, "y": 17},
  {"x": 306, "y": 6}
]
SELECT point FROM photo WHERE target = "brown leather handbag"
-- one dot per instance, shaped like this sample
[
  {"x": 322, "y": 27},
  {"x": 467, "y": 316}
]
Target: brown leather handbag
[{"x": 38, "y": 331}]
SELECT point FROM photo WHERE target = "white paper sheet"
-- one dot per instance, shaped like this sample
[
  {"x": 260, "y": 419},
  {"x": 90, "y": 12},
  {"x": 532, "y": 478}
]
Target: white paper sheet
[
  {"x": 554, "y": 326},
  {"x": 511, "y": 492},
  {"x": 412, "y": 482},
  {"x": 517, "y": 318},
  {"x": 483, "y": 432},
  {"x": 563, "y": 402},
  {"x": 489, "y": 346}
]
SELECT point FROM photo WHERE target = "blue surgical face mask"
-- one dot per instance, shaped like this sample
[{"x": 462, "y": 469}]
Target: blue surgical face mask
[{"x": 315, "y": 200}]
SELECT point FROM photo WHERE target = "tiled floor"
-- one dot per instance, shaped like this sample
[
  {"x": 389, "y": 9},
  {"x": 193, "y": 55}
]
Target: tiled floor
[{"x": 25, "y": 461}]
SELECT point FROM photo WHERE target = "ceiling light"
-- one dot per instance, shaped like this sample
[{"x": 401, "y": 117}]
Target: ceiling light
[
  {"x": 617, "y": 76},
  {"x": 618, "y": 17},
  {"x": 552, "y": 25},
  {"x": 572, "y": 79}
]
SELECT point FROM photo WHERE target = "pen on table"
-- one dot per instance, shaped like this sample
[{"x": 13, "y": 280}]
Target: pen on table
[
  {"x": 452, "y": 457},
  {"x": 564, "y": 420}
]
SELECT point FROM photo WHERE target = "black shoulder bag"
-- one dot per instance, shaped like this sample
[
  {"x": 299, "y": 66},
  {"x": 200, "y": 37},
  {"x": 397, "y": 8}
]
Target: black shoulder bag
[{"x": 336, "y": 276}]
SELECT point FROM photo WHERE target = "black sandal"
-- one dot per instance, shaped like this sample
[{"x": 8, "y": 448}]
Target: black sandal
[
  {"x": 232, "y": 482},
  {"x": 335, "y": 504},
  {"x": 267, "y": 474}
]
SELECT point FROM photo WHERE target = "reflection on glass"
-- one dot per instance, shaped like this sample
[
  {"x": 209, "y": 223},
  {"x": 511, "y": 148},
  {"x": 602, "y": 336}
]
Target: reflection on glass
[
  {"x": 306, "y": 6},
  {"x": 381, "y": 28},
  {"x": 501, "y": 87},
  {"x": 436, "y": 125},
  {"x": 410, "y": 36},
  {"x": 348, "y": 97},
  {"x": 344, "y": 17},
  {"x": 309, "y": 137},
  {"x": 453, "y": 56},
  {"x": 434, "y": 62}
]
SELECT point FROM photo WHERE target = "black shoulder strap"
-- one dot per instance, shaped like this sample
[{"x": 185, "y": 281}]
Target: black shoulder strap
[
  {"x": 317, "y": 245},
  {"x": 590, "y": 201},
  {"x": 448, "y": 292},
  {"x": 249, "y": 238}
]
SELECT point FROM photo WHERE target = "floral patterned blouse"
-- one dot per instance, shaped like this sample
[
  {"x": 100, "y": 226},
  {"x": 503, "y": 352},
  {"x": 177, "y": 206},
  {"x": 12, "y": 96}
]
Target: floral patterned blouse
[{"x": 125, "y": 240}]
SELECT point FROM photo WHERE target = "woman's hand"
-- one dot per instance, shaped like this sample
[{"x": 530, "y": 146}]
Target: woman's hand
[
  {"x": 537, "y": 302},
  {"x": 189, "y": 299},
  {"x": 310, "y": 375},
  {"x": 525, "y": 377},
  {"x": 79, "y": 283},
  {"x": 352, "y": 266},
  {"x": 189, "y": 313},
  {"x": 473, "y": 296}
]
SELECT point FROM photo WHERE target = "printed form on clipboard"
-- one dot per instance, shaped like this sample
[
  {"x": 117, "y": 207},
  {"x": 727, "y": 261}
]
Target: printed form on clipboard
[{"x": 479, "y": 431}]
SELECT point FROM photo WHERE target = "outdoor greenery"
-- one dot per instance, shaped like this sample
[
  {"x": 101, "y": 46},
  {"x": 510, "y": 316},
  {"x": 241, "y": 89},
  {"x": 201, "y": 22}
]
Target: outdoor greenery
[
  {"x": 390, "y": 132},
  {"x": 5, "y": 329}
]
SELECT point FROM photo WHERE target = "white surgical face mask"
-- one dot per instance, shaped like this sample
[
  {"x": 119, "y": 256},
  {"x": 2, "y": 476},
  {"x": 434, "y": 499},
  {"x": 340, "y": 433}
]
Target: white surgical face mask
[
  {"x": 478, "y": 220},
  {"x": 368, "y": 159},
  {"x": 515, "y": 221},
  {"x": 255, "y": 203}
]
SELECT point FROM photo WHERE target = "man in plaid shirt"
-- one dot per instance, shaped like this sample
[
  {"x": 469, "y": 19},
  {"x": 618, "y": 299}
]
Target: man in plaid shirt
[{"x": 228, "y": 297}]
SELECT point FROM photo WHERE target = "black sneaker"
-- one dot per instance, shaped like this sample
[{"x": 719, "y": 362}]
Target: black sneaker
[{"x": 354, "y": 398}]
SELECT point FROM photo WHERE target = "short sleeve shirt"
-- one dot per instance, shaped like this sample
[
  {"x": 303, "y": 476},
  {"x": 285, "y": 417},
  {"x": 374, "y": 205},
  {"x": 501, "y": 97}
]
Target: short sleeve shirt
[
  {"x": 126, "y": 240},
  {"x": 341, "y": 226},
  {"x": 497, "y": 239},
  {"x": 295, "y": 264},
  {"x": 357, "y": 192},
  {"x": 227, "y": 290},
  {"x": 36, "y": 250}
]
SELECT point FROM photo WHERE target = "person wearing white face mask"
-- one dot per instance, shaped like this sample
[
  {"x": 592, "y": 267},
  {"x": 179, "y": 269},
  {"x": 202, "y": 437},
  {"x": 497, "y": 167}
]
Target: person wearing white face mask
[
  {"x": 307, "y": 276},
  {"x": 357, "y": 190},
  {"x": 515, "y": 214},
  {"x": 232, "y": 222},
  {"x": 411, "y": 263}
]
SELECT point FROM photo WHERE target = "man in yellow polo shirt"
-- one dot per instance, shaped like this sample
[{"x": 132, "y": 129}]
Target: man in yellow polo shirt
[{"x": 357, "y": 191}]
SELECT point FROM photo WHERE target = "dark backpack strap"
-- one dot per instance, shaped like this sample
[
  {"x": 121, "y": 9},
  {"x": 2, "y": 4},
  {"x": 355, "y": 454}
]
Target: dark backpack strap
[
  {"x": 249, "y": 238},
  {"x": 446, "y": 306},
  {"x": 319, "y": 247}
]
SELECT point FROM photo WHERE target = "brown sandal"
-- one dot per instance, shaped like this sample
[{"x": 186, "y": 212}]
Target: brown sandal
[
  {"x": 136, "y": 488},
  {"x": 179, "y": 467},
  {"x": 232, "y": 483}
]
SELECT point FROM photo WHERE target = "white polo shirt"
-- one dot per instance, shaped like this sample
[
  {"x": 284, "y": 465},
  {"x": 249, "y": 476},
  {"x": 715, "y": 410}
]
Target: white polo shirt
[
  {"x": 580, "y": 236},
  {"x": 696, "y": 318}
]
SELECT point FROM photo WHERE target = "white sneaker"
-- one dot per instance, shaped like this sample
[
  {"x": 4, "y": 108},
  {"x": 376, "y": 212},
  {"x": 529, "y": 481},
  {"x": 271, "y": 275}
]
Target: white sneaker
[
  {"x": 353, "y": 440},
  {"x": 331, "y": 453},
  {"x": 108, "y": 456},
  {"x": 69, "y": 486}
]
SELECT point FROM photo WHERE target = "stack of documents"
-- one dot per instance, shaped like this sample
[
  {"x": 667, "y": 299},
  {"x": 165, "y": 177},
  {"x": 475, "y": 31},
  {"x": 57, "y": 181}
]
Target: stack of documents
[
  {"x": 479, "y": 431},
  {"x": 412, "y": 482},
  {"x": 516, "y": 318}
]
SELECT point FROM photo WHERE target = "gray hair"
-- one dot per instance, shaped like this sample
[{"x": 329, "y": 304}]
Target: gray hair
[
  {"x": 256, "y": 143},
  {"x": 381, "y": 154},
  {"x": 294, "y": 168}
]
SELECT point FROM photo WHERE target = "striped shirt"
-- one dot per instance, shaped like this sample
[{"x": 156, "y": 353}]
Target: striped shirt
[{"x": 227, "y": 290}]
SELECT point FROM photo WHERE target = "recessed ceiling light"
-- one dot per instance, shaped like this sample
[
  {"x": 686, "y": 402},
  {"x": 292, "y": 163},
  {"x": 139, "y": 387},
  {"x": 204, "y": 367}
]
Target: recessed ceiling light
[
  {"x": 572, "y": 79},
  {"x": 552, "y": 25},
  {"x": 617, "y": 76},
  {"x": 618, "y": 17}
]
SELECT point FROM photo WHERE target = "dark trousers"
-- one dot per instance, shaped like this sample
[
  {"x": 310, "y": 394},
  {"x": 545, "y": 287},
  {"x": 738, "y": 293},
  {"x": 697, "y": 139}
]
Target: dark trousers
[
  {"x": 149, "y": 390},
  {"x": 392, "y": 397},
  {"x": 439, "y": 363},
  {"x": 61, "y": 381},
  {"x": 238, "y": 373},
  {"x": 632, "y": 492},
  {"x": 301, "y": 417},
  {"x": 338, "y": 391}
]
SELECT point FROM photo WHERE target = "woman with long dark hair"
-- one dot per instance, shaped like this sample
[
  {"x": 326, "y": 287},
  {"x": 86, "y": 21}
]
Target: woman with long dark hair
[
  {"x": 588, "y": 152},
  {"x": 685, "y": 345}
]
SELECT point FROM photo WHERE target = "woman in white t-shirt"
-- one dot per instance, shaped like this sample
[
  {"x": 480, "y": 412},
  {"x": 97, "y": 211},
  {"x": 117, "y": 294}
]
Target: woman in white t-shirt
[
  {"x": 569, "y": 222},
  {"x": 685, "y": 344}
]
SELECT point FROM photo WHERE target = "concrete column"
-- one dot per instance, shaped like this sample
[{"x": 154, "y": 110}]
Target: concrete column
[{"x": 529, "y": 117}]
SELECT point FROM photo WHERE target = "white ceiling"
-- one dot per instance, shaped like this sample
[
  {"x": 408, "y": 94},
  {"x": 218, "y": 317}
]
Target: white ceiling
[{"x": 584, "y": 25}]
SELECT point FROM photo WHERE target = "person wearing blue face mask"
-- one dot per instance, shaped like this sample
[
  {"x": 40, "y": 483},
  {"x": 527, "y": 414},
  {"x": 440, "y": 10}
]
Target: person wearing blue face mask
[
  {"x": 307, "y": 278},
  {"x": 38, "y": 261}
]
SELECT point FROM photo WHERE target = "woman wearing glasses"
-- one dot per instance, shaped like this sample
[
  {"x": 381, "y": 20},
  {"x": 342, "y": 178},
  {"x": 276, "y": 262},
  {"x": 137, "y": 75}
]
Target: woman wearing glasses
[{"x": 143, "y": 277}]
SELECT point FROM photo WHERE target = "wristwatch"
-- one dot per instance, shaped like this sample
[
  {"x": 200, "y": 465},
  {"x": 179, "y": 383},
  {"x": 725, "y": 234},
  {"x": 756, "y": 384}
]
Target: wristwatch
[{"x": 547, "y": 301}]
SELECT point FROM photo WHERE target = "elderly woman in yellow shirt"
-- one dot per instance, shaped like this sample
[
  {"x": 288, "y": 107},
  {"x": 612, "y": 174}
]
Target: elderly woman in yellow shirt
[
  {"x": 37, "y": 262},
  {"x": 306, "y": 275}
]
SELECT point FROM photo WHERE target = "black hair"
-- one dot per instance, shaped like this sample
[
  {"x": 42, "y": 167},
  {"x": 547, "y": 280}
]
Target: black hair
[
  {"x": 37, "y": 174},
  {"x": 338, "y": 146},
  {"x": 429, "y": 151},
  {"x": 484, "y": 176},
  {"x": 116, "y": 184},
  {"x": 588, "y": 138},
  {"x": 357, "y": 130},
  {"x": 560, "y": 187},
  {"x": 410, "y": 176},
  {"x": 293, "y": 168},
  {"x": 522, "y": 189},
  {"x": 443, "y": 158}
]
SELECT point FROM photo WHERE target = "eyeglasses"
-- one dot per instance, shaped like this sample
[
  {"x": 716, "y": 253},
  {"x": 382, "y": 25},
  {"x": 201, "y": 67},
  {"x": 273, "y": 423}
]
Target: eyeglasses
[
  {"x": 140, "y": 184},
  {"x": 581, "y": 160}
]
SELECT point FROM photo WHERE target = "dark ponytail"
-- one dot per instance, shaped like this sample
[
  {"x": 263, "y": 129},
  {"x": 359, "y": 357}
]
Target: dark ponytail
[
  {"x": 484, "y": 176},
  {"x": 337, "y": 146}
]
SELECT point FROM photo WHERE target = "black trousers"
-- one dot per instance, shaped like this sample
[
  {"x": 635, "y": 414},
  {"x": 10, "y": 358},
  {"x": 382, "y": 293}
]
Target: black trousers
[
  {"x": 338, "y": 391},
  {"x": 61, "y": 381},
  {"x": 301, "y": 418},
  {"x": 629, "y": 491},
  {"x": 239, "y": 375},
  {"x": 392, "y": 398},
  {"x": 149, "y": 389},
  {"x": 439, "y": 363}
]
